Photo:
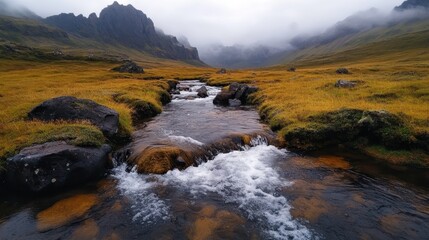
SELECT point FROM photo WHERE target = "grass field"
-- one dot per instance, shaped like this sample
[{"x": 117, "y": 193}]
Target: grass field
[
  {"x": 25, "y": 84},
  {"x": 393, "y": 75}
]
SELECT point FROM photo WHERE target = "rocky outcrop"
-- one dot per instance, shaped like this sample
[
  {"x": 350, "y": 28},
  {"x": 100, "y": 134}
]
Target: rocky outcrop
[
  {"x": 55, "y": 165},
  {"x": 345, "y": 84},
  {"x": 72, "y": 109},
  {"x": 127, "y": 26},
  {"x": 202, "y": 92},
  {"x": 413, "y": 4},
  {"x": 350, "y": 127},
  {"x": 129, "y": 67},
  {"x": 233, "y": 94},
  {"x": 342, "y": 71}
]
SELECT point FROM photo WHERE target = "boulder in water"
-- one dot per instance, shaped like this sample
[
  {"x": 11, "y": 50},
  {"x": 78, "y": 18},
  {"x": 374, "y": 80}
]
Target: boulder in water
[
  {"x": 202, "y": 92},
  {"x": 236, "y": 91},
  {"x": 72, "y": 109},
  {"x": 55, "y": 165}
]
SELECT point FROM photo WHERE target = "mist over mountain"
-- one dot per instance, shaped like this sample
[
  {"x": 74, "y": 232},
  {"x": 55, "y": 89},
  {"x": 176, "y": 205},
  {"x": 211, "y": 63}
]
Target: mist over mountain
[
  {"x": 359, "y": 22},
  {"x": 237, "y": 56},
  {"x": 14, "y": 10}
]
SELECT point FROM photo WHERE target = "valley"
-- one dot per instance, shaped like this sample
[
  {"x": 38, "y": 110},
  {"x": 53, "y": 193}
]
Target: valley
[{"x": 113, "y": 132}]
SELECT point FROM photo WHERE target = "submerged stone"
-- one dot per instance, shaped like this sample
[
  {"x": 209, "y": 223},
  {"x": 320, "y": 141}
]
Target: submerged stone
[{"x": 65, "y": 211}]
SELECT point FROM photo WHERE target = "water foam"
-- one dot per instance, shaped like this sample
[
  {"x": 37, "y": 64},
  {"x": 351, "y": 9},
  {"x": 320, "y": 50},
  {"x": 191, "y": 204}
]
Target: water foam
[
  {"x": 244, "y": 179},
  {"x": 183, "y": 139}
]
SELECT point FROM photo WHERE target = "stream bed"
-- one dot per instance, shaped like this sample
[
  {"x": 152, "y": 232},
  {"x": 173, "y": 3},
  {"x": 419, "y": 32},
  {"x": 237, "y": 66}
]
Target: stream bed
[{"x": 257, "y": 192}]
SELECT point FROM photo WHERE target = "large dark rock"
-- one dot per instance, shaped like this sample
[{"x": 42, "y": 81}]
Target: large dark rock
[
  {"x": 55, "y": 165},
  {"x": 202, "y": 92},
  {"x": 71, "y": 108},
  {"x": 235, "y": 91},
  {"x": 129, "y": 67},
  {"x": 223, "y": 98}
]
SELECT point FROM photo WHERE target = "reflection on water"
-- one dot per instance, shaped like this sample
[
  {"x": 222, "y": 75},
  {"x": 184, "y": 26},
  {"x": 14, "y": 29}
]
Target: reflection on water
[{"x": 258, "y": 192}]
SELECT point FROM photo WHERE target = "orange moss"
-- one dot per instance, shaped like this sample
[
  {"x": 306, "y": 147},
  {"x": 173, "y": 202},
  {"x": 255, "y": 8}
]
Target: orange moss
[{"x": 160, "y": 160}]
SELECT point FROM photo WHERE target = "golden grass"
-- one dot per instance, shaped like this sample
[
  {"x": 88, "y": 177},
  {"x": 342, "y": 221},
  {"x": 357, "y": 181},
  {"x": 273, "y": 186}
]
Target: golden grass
[
  {"x": 288, "y": 98},
  {"x": 398, "y": 83},
  {"x": 25, "y": 84}
]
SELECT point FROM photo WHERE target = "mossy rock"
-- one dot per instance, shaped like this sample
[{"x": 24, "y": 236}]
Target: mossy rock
[{"x": 349, "y": 126}]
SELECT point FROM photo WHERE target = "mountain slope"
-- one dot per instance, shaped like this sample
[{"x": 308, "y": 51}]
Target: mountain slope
[{"x": 124, "y": 25}]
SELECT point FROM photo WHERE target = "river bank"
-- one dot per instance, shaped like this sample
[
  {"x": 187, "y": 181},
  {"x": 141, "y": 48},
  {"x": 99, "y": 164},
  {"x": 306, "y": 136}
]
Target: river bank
[{"x": 256, "y": 191}]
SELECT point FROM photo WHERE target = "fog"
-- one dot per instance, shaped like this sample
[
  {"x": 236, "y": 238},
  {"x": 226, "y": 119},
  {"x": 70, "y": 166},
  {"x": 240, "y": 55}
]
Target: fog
[
  {"x": 244, "y": 32},
  {"x": 226, "y": 22}
]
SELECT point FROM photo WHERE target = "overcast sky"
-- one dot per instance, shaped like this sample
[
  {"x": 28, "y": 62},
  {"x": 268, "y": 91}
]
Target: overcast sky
[{"x": 227, "y": 22}]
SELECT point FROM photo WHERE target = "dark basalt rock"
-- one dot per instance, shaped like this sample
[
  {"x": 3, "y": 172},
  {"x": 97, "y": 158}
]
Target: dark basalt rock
[
  {"x": 342, "y": 71},
  {"x": 202, "y": 92},
  {"x": 55, "y": 165},
  {"x": 236, "y": 91},
  {"x": 72, "y": 109},
  {"x": 345, "y": 84},
  {"x": 129, "y": 67}
]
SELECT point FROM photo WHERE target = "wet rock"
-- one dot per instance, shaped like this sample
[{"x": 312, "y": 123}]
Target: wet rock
[
  {"x": 236, "y": 91},
  {"x": 222, "y": 71},
  {"x": 160, "y": 160},
  {"x": 129, "y": 67},
  {"x": 234, "y": 102},
  {"x": 202, "y": 92},
  {"x": 55, "y": 165},
  {"x": 175, "y": 91},
  {"x": 223, "y": 97},
  {"x": 65, "y": 212},
  {"x": 345, "y": 84},
  {"x": 72, "y": 109},
  {"x": 184, "y": 88},
  {"x": 342, "y": 71}
]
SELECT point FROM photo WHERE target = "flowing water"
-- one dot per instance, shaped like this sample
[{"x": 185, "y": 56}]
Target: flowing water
[{"x": 256, "y": 192}]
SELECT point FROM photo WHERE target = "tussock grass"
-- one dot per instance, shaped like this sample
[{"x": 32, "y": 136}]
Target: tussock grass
[{"x": 25, "y": 84}]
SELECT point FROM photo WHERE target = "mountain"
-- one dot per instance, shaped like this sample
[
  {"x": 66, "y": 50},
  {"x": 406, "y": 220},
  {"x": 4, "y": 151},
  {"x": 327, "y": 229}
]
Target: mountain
[
  {"x": 127, "y": 26},
  {"x": 412, "y": 4},
  {"x": 360, "y": 32}
]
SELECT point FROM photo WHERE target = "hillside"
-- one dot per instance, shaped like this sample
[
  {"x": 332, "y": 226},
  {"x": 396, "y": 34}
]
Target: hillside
[
  {"x": 104, "y": 37},
  {"x": 362, "y": 35},
  {"x": 376, "y": 42}
]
